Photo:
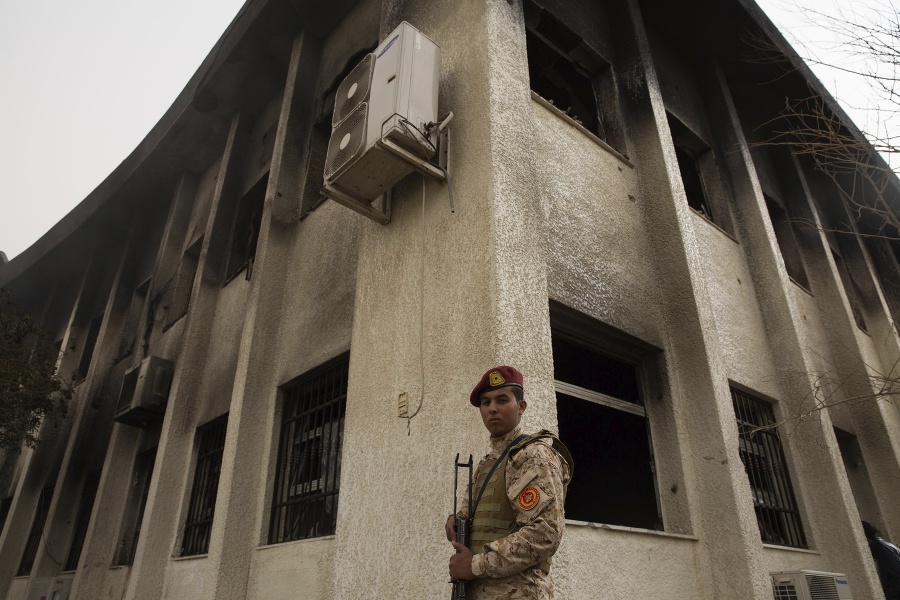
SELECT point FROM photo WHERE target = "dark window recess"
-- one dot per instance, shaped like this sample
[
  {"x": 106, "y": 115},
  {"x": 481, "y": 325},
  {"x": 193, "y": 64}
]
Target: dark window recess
[
  {"x": 305, "y": 500},
  {"x": 134, "y": 508},
  {"x": 787, "y": 243},
  {"x": 36, "y": 534},
  {"x": 202, "y": 507},
  {"x": 184, "y": 283},
  {"x": 133, "y": 320},
  {"x": 315, "y": 166},
  {"x": 603, "y": 422},
  {"x": 570, "y": 75},
  {"x": 773, "y": 496},
  {"x": 693, "y": 182},
  {"x": 5, "y": 505},
  {"x": 245, "y": 233},
  {"x": 851, "y": 289},
  {"x": 87, "y": 352},
  {"x": 82, "y": 520}
]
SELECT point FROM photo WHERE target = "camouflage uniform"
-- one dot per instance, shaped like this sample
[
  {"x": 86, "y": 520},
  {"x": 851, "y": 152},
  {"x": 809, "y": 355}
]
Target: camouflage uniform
[{"x": 509, "y": 568}]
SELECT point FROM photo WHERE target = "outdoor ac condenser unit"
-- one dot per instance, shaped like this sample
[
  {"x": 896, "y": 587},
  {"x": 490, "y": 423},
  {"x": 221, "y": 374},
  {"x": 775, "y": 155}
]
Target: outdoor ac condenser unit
[
  {"x": 810, "y": 585},
  {"x": 145, "y": 391},
  {"x": 391, "y": 94}
]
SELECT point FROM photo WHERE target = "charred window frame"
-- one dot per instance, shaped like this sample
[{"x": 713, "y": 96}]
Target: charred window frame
[
  {"x": 851, "y": 289},
  {"x": 138, "y": 492},
  {"x": 5, "y": 505},
  {"x": 704, "y": 186},
  {"x": 82, "y": 520},
  {"x": 305, "y": 498},
  {"x": 133, "y": 320},
  {"x": 184, "y": 282},
  {"x": 202, "y": 506},
  {"x": 604, "y": 423},
  {"x": 36, "y": 533},
  {"x": 787, "y": 241},
  {"x": 570, "y": 75},
  {"x": 245, "y": 232},
  {"x": 87, "y": 352},
  {"x": 773, "y": 495}
]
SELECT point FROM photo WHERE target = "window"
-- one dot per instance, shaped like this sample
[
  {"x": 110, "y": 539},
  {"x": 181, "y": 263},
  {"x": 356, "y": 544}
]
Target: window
[
  {"x": 245, "y": 233},
  {"x": 787, "y": 243},
  {"x": 315, "y": 166},
  {"x": 851, "y": 289},
  {"x": 763, "y": 458},
  {"x": 132, "y": 320},
  {"x": 88, "y": 494},
  {"x": 134, "y": 508},
  {"x": 5, "y": 505},
  {"x": 603, "y": 422},
  {"x": 184, "y": 284},
  {"x": 570, "y": 75},
  {"x": 202, "y": 507},
  {"x": 36, "y": 534},
  {"x": 87, "y": 352},
  {"x": 304, "y": 503}
]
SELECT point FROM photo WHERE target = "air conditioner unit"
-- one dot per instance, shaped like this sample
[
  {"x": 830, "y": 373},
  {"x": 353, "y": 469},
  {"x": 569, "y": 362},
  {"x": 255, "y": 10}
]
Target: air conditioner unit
[
  {"x": 383, "y": 104},
  {"x": 145, "y": 391},
  {"x": 810, "y": 585}
]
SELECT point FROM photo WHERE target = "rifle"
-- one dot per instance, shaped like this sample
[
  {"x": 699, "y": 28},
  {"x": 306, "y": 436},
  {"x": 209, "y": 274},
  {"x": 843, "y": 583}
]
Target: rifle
[{"x": 461, "y": 524}]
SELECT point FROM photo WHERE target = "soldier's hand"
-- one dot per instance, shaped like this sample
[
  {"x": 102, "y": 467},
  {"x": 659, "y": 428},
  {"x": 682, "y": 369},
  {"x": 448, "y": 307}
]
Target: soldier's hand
[
  {"x": 461, "y": 564},
  {"x": 450, "y": 528}
]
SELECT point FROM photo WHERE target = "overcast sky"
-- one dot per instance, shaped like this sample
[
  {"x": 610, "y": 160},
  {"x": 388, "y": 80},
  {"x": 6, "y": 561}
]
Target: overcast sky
[{"x": 83, "y": 82}]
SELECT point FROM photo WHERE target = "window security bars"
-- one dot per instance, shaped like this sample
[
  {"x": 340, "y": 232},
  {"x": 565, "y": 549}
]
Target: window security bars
[
  {"x": 304, "y": 503},
  {"x": 202, "y": 507},
  {"x": 36, "y": 534},
  {"x": 134, "y": 508},
  {"x": 763, "y": 458},
  {"x": 82, "y": 521}
]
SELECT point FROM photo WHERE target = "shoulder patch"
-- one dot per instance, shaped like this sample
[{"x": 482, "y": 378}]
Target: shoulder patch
[{"x": 529, "y": 498}]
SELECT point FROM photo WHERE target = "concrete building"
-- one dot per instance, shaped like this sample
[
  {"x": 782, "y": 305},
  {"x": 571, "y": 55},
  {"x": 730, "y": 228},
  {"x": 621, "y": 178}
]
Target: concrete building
[{"x": 669, "y": 284}]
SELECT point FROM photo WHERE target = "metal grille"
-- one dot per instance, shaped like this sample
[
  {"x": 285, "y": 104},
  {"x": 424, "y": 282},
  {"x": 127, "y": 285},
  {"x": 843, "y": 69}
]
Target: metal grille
[
  {"x": 822, "y": 587},
  {"x": 202, "y": 507},
  {"x": 37, "y": 532},
  {"x": 785, "y": 591},
  {"x": 304, "y": 503},
  {"x": 82, "y": 520},
  {"x": 763, "y": 457}
]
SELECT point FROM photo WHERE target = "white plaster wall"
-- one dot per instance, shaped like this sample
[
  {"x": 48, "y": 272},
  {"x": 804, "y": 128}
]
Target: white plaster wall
[
  {"x": 600, "y": 259},
  {"x": 17, "y": 588},
  {"x": 184, "y": 578},
  {"x": 302, "y": 569},
  {"x": 618, "y": 564},
  {"x": 790, "y": 559}
]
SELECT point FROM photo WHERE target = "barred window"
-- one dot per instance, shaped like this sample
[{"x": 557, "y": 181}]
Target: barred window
[
  {"x": 763, "y": 458},
  {"x": 202, "y": 508},
  {"x": 304, "y": 503},
  {"x": 88, "y": 494},
  {"x": 36, "y": 533}
]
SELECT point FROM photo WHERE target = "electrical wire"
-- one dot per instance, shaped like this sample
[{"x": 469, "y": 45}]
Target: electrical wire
[{"x": 421, "y": 317}]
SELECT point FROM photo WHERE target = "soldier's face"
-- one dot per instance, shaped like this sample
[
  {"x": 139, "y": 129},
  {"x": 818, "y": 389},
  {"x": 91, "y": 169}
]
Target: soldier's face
[{"x": 500, "y": 411}]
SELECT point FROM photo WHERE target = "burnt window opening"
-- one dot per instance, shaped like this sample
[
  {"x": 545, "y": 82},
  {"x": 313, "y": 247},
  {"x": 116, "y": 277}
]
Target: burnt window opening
[
  {"x": 5, "y": 505},
  {"x": 87, "y": 352},
  {"x": 603, "y": 422},
  {"x": 305, "y": 499},
  {"x": 184, "y": 282},
  {"x": 138, "y": 493},
  {"x": 245, "y": 233},
  {"x": 133, "y": 320},
  {"x": 82, "y": 520},
  {"x": 315, "y": 166},
  {"x": 202, "y": 507},
  {"x": 852, "y": 290},
  {"x": 570, "y": 75},
  {"x": 695, "y": 158},
  {"x": 764, "y": 461},
  {"x": 36, "y": 533},
  {"x": 787, "y": 242}
]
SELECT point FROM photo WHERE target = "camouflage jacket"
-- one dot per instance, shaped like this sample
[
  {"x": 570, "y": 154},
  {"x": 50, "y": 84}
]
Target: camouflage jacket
[{"x": 509, "y": 567}]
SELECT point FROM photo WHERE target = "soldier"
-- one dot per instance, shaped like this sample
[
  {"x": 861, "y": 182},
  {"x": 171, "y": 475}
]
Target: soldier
[{"x": 518, "y": 519}]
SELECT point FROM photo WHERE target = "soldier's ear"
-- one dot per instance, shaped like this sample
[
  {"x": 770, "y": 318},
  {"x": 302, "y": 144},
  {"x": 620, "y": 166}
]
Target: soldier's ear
[{"x": 522, "y": 406}]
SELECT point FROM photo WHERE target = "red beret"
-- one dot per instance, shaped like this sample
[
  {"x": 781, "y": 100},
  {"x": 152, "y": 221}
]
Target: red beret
[{"x": 495, "y": 378}]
